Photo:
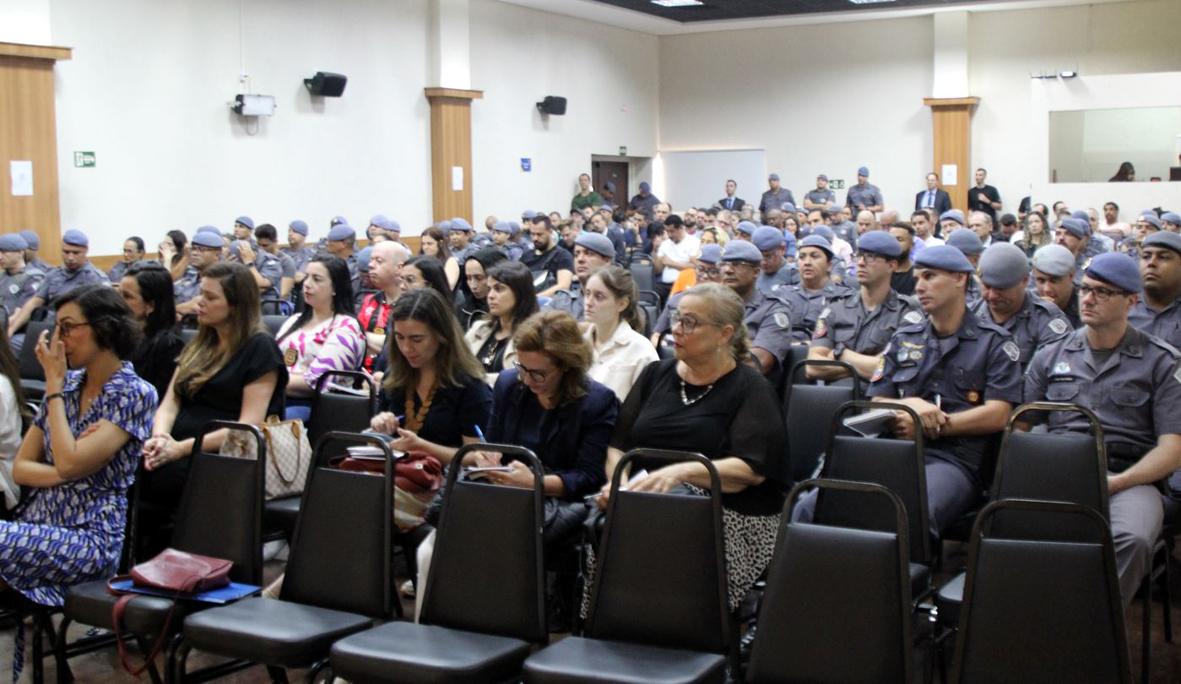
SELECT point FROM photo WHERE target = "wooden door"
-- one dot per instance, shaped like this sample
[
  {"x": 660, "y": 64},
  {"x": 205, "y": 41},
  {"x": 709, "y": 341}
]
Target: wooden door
[{"x": 603, "y": 172}]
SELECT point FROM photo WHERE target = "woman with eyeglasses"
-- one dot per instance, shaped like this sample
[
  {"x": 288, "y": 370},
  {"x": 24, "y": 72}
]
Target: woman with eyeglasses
[
  {"x": 708, "y": 400},
  {"x": 146, "y": 288},
  {"x": 620, "y": 352},
  {"x": 81, "y": 453},
  {"x": 511, "y": 299}
]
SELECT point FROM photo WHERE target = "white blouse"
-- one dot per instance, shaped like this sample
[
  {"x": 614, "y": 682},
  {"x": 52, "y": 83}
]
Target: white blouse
[
  {"x": 618, "y": 363},
  {"x": 10, "y": 441}
]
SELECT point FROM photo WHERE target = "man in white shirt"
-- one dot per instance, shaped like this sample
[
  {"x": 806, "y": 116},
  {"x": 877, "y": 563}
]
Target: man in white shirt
[{"x": 675, "y": 252}]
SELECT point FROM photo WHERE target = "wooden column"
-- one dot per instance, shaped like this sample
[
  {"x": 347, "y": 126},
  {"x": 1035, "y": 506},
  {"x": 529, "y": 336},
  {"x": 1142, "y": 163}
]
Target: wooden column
[
  {"x": 451, "y": 147},
  {"x": 951, "y": 128},
  {"x": 28, "y": 132}
]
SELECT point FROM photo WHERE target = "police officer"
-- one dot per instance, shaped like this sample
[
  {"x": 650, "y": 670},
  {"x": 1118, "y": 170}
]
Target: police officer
[
  {"x": 951, "y": 221},
  {"x": 1074, "y": 234},
  {"x": 775, "y": 272},
  {"x": 265, "y": 267},
  {"x": 205, "y": 251},
  {"x": 341, "y": 243},
  {"x": 17, "y": 284},
  {"x": 34, "y": 263},
  {"x": 75, "y": 271},
  {"x": 1171, "y": 221},
  {"x": 856, "y": 325},
  {"x": 744, "y": 230},
  {"x": 776, "y": 195},
  {"x": 864, "y": 196},
  {"x": 707, "y": 271},
  {"x": 1132, "y": 382},
  {"x": 298, "y": 249},
  {"x": 244, "y": 229},
  {"x": 768, "y": 319},
  {"x": 461, "y": 239},
  {"x": 268, "y": 242},
  {"x": 592, "y": 251},
  {"x": 821, "y": 197},
  {"x": 1054, "y": 280},
  {"x": 1032, "y": 321},
  {"x": 1158, "y": 312},
  {"x": 811, "y": 295},
  {"x": 961, "y": 376},
  {"x": 969, "y": 243},
  {"x": 502, "y": 238}
]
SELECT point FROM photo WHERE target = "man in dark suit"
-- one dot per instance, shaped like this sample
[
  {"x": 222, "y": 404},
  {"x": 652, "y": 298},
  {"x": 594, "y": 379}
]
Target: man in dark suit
[
  {"x": 731, "y": 202},
  {"x": 934, "y": 197}
]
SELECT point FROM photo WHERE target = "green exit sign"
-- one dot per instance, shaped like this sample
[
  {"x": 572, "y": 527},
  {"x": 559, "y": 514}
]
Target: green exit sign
[
  {"x": 85, "y": 160},
  {"x": 623, "y": 150},
  {"x": 837, "y": 183}
]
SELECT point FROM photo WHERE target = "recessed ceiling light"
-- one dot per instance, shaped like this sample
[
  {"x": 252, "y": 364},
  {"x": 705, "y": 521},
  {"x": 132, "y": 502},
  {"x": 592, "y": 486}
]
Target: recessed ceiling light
[
  {"x": 869, "y": 2},
  {"x": 682, "y": 3}
]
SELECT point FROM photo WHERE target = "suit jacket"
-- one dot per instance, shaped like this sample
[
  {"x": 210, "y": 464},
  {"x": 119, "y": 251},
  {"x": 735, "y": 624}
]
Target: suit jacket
[
  {"x": 942, "y": 201},
  {"x": 739, "y": 203}
]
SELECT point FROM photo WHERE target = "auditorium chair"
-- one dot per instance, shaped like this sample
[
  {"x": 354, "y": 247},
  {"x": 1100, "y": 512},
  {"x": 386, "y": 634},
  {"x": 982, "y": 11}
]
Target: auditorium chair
[
  {"x": 640, "y": 266},
  {"x": 806, "y": 409},
  {"x": 650, "y": 619},
  {"x": 31, "y": 374},
  {"x": 820, "y": 577},
  {"x": 337, "y": 580},
  {"x": 272, "y": 323},
  {"x": 1045, "y": 609},
  {"x": 476, "y": 626},
  {"x": 649, "y": 303}
]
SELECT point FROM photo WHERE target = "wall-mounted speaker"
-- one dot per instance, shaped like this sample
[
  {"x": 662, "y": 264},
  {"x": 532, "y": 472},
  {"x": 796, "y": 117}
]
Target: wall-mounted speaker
[
  {"x": 326, "y": 84},
  {"x": 552, "y": 104}
]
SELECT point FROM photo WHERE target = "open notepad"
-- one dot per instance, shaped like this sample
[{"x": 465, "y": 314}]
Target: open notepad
[{"x": 872, "y": 423}]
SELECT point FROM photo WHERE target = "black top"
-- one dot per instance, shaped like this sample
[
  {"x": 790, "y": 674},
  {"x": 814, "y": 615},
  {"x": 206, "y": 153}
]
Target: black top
[
  {"x": 491, "y": 353},
  {"x": 555, "y": 259},
  {"x": 739, "y": 417},
  {"x": 220, "y": 398},
  {"x": 903, "y": 282},
  {"x": 454, "y": 412},
  {"x": 155, "y": 359},
  {"x": 974, "y": 203}
]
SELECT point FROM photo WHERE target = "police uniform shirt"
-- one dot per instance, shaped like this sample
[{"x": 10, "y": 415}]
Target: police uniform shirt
[
  {"x": 775, "y": 199},
  {"x": 38, "y": 267},
  {"x": 977, "y": 363},
  {"x": 188, "y": 285},
  {"x": 512, "y": 250},
  {"x": 1165, "y": 324},
  {"x": 778, "y": 282},
  {"x": 462, "y": 254},
  {"x": 845, "y": 324},
  {"x": 269, "y": 267},
  {"x": 61, "y": 280},
  {"x": 819, "y": 196},
  {"x": 768, "y": 322},
  {"x": 287, "y": 264},
  {"x": 805, "y": 306},
  {"x": 973, "y": 296},
  {"x": 1135, "y": 391},
  {"x": 866, "y": 196},
  {"x": 18, "y": 288},
  {"x": 569, "y": 301},
  {"x": 1037, "y": 324},
  {"x": 116, "y": 273},
  {"x": 299, "y": 256}
]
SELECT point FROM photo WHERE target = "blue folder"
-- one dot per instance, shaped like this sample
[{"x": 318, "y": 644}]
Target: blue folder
[{"x": 227, "y": 594}]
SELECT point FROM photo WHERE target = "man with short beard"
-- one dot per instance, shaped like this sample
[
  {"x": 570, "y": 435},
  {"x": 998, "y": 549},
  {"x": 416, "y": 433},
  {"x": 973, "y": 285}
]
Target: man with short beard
[
  {"x": 1006, "y": 301},
  {"x": 1158, "y": 312}
]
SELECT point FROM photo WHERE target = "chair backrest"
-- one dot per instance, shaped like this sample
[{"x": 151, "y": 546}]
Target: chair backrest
[
  {"x": 820, "y": 577},
  {"x": 340, "y": 551},
  {"x": 1050, "y": 467},
  {"x": 641, "y": 270},
  {"x": 643, "y": 590},
  {"x": 30, "y": 368},
  {"x": 1045, "y": 610},
  {"x": 272, "y": 323},
  {"x": 341, "y": 411},
  {"x": 893, "y": 463},
  {"x": 649, "y": 303},
  {"x": 487, "y": 571},
  {"x": 271, "y": 307},
  {"x": 806, "y": 408},
  {"x": 220, "y": 512},
  {"x": 187, "y": 334}
]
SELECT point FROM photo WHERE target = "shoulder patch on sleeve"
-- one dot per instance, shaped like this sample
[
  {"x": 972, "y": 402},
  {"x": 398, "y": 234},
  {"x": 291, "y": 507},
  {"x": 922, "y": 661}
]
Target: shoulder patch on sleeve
[
  {"x": 782, "y": 320},
  {"x": 912, "y": 317},
  {"x": 1011, "y": 350},
  {"x": 1059, "y": 326}
]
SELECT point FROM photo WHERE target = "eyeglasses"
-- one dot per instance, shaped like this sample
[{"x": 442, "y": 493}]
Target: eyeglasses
[
  {"x": 535, "y": 375},
  {"x": 688, "y": 322},
  {"x": 708, "y": 272},
  {"x": 1102, "y": 294},
  {"x": 64, "y": 329},
  {"x": 870, "y": 257}
]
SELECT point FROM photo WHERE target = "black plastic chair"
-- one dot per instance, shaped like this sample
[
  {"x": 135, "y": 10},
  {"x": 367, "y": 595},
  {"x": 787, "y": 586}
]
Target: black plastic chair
[
  {"x": 649, "y": 303},
  {"x": 818, "y": 578},
  {"x": 32, "y": 376},
  {"x": 650, "y": 618},
  {"x": 337, "y": 579},
  {"x": 640, "y": 266},
  {"x": 220, "y": 515},
  {"x": 271, "y": 307},
  {"x": 476, "y": 626},
  {"x": 273, "y": 322},
  {"x": 187, "y": 334},
  {"x": 1045, "y": 610},
  {"x": 807, "y": 407}
]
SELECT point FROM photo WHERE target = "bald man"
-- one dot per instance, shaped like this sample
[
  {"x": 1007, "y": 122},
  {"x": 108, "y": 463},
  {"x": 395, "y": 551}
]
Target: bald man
[{"x": 385, "y": 272}]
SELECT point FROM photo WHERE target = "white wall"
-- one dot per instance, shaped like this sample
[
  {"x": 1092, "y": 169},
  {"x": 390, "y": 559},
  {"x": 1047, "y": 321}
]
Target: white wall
[
  {"x": 818, "y": 99},
  {"x": 608, "y": 77},
  {"x": 25, "y": 21}
]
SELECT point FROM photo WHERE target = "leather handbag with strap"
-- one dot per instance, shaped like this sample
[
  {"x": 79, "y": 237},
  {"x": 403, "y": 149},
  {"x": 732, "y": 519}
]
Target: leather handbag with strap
[
  {"x": 184, "y": 573},
  {"x": 288, "y": 454},
  {"x": 417, "y": 477}
]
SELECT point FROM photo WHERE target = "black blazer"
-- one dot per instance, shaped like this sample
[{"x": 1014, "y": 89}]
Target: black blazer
[
  {"x": 739, "y": 203},
  {"x": 942, "y": 202}
]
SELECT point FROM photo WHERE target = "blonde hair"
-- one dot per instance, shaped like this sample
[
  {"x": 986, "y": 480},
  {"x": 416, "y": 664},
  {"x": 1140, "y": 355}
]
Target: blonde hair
[
  {"x": 725, "y": 308},
  {"x": 204, "y": 356},
  {"x": 556, "y": 334}
]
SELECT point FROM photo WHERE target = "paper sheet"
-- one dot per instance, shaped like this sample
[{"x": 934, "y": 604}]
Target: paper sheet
[
  {"x": 950, "y": 175},
  {"x": 22, "y": 177},
  {"x": 457, "y": 178}
]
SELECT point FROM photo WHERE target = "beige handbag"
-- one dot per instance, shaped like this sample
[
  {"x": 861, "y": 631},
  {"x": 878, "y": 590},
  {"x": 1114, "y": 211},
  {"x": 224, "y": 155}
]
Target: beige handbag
[{"x": 288, "y": 454}]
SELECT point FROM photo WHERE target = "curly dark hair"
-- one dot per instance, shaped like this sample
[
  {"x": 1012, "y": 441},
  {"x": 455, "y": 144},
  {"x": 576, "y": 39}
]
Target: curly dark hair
[{"x": 109, "y": 318}]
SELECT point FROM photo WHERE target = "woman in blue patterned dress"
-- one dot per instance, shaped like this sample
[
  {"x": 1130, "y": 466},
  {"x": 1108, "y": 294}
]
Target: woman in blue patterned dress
[{"x": 80, "y": 456}]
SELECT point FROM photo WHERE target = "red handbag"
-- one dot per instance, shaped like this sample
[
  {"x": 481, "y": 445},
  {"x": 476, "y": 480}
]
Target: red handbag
[{"x": 171, "y": 570}]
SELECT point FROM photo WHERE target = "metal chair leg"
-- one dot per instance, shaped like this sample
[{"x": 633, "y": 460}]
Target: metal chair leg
[
  {"x": 178, "y": 657},
  {"x": 319, "y": 668},
  {"x": 60, "y": 657},
  {"x": 1146, "y": 625}
]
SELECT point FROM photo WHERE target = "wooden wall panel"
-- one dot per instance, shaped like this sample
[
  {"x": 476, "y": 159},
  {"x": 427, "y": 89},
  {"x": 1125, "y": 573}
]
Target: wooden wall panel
[
  {"x": 451, "y": 146},
  {"x": 951, "y": 129}
]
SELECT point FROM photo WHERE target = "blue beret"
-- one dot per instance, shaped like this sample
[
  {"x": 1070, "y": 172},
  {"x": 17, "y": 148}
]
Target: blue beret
[
  {"x": 444, "y": 226},
  {"x": 773, "y": 176},
  {"x": 208, "y": 238},
  {"x": 1054, "y": 260},
  {"x": 822, "y": 177},
  {"x": 210, "y": 229},
  {"x": 1116, "y": 268},
  {"x": 528, "y": 215},
  {"x": 944, "y": 258},
  {"x": 1166, "y": 239},
  {"x": 966, "y": 241},
  {"x": 711, "y": 253},
  {"x": 1003, "y": 265},
  {"x": 1082, "y": 215},
  {"x": 953, "y": 215},
  {"x": 880, "y": 242},
  {"x": 337, "y": 220},
  {"x": 76, "y": 238},
  {"x": 12, "y": 242},
  {"x": 863, "y": 171},
  {"x": 1152, "y": 220},
  {"x": 767, "y": 238},
  {"x": 789, "y": 207},
  {"x": 31, "y": 239},
  {"x": 363, "y": 259},
  {"x": 246, "y": 221},
  {"x": 342, "y": 231},
  {"x": 461, "y": 224},
  {"x": 393, "y": 226},
  {"x": 380, "y": 221},
  {"x": 595, "y": 242},
  {"x": 515, "y": 226},
  {"x": 817, "y": 240},
  {"x": 503, "y": 227},
  {"x": 747, "y": 227},
  {"x": 299, "y": 226},
  {"x": 644, "y": 187},
  {"x": 741, "y": 250},
  {"x": 826, "y": 233},
  {"x": 1076, "y": 227},
  {"x": 1171, "y": 217}
]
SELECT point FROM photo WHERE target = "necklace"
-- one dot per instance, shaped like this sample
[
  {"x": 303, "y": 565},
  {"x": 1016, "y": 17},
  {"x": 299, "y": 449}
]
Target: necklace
[
  {"x": 685, "y": 397},
  {"x": 415, "y": 419}
]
